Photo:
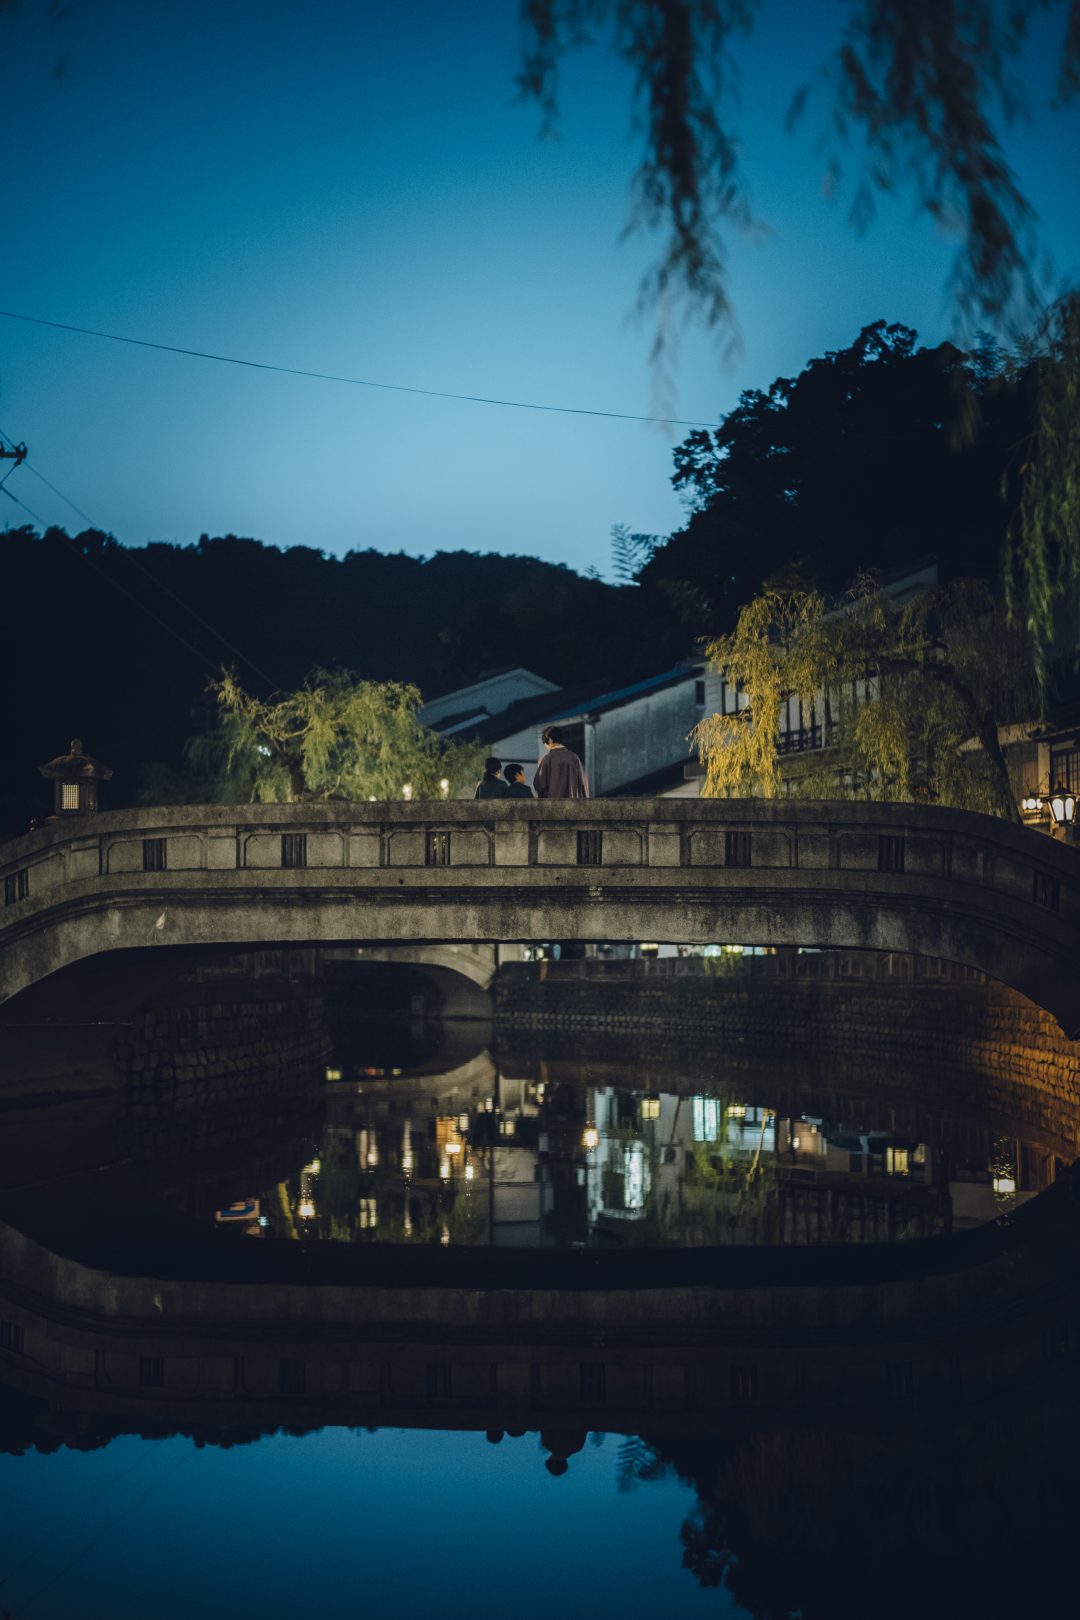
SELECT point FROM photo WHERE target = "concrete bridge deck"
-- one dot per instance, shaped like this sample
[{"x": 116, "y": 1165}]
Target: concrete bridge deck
[{"x": 947, "y": 883}]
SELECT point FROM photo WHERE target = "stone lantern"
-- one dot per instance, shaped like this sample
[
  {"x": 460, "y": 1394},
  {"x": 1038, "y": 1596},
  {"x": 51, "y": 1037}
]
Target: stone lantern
[{"x": 76, "y": 776}]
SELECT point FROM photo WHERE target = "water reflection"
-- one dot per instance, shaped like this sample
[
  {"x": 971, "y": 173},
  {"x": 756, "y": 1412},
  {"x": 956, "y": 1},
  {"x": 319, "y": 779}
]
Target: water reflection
[
  {"x": 742, "y": 1436},
  {"x": 484, "y": 1157}
]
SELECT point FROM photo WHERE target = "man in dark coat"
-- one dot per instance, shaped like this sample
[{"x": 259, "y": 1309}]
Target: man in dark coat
[{"x": 560, "y": 774}]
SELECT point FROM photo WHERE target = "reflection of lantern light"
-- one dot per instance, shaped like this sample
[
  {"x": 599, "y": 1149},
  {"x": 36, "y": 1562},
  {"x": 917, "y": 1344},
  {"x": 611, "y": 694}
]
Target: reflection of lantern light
[
  {"x": 469, "y": 1172},
  {"x": 307, "y": 1210},
  {"x": 796, "y": 1142},
  {"x": 1031, "y": 805},
  {"x": 406, "y": 791},
  {"x": 444, "y": 787},
  {"x": 591, "y": 1138},
  {"x": 406, "y": 1162},
  {"x": 444, "y": 1170}
]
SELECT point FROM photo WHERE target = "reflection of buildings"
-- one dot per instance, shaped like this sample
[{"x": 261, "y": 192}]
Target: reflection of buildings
[{"x": 481, "y": 1158}]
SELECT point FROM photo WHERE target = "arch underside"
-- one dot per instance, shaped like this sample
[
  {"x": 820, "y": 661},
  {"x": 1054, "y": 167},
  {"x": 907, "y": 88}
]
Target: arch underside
[{"x": 999, "y": 939}]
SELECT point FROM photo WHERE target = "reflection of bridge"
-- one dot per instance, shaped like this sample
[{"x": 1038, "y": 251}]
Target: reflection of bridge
[
  {"x": 881, "y": 877},
  {"x": 678, "y": 1342}
]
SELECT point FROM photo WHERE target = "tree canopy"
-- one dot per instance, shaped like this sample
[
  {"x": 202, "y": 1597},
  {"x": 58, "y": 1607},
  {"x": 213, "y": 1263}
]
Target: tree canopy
[
  {"x": 909, "y": 697},
  {"x": 872, "y": 456},
  {"x": 335, "y": 737}
]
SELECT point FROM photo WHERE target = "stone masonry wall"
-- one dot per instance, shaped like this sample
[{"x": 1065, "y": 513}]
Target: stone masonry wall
[
  {"x": 976, "y": 1043},
  {"x": 222, "y": 1060}
]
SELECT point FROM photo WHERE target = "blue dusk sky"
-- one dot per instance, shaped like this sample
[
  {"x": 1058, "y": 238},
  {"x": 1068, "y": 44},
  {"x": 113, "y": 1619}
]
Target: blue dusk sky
[{"x": 356, "y": 190}]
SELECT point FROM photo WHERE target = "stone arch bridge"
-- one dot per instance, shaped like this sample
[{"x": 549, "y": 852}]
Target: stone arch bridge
[{"x": 947, "y": 883}]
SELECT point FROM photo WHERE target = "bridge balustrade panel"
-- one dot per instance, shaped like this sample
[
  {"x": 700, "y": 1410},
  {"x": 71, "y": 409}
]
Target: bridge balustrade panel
[{"x": 601, "y": 869}]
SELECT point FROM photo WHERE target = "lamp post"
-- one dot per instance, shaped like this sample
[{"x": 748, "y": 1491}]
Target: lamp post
[{"x": 1062, "y": 803}]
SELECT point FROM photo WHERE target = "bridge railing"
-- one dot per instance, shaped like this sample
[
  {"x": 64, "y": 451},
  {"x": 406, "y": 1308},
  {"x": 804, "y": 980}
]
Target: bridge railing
[{"x": 597, "y": 838}]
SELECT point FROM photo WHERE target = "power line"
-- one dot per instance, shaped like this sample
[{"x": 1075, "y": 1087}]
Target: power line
[
  {"x": 115, "y": 583},
  {"x": 62, "y": 1524},
  {"x": 355, "y": 382},
  {"x": 133, "y": 560},
  {"x": 105, "y": 1528}
]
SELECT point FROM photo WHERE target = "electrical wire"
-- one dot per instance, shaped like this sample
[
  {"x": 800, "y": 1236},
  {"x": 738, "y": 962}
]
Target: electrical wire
[
  {"x": 168, "y": 628},
  {"x": 355, "y": 382},
  {"x": 107, "y": 1526},
  {"x": 274, "y": 686},
  {"x": 71, "y": 1518}
]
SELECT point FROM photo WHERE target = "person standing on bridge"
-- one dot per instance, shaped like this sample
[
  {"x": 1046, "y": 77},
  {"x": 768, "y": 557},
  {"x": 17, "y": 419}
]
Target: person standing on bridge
[
  {"x": 516, "y": 785},
  {"x": 560, "y": 774},
  {"x": 491, "y": 784}
]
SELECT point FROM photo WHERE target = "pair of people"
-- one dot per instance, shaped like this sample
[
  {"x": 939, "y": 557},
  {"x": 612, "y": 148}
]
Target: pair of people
[
  {"x": 501, "y": 781},
  {"x": 559, "y": 775}
]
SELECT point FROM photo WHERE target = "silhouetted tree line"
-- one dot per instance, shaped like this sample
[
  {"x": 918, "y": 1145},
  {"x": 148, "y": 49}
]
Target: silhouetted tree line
[
  {"x": 90, "y": 642},
  {"x": 874, "y": 455}
]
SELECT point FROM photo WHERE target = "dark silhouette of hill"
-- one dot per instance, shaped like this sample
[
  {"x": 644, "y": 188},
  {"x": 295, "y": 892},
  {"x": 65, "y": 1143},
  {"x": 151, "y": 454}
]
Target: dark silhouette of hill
[{"x": 91, "y": 646}]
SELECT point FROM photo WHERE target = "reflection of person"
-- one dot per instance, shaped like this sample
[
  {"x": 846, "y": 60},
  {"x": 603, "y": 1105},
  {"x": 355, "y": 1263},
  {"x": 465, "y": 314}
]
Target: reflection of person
[
  {"x": 491, "y": 784},
  {"x": 561, "y": 1446},
  {"x": 560, "y": 774},
  {"x": 516, "y": 785}
]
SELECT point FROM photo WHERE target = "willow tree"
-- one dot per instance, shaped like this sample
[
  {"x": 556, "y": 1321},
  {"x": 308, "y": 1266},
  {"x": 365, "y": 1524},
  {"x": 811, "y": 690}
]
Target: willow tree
[
  {"x": 911, "y": 98},
  {"x": 911, "y": 698},
  {"x": 1042, "y": 543},
  {"x": 335, "y": 737}
]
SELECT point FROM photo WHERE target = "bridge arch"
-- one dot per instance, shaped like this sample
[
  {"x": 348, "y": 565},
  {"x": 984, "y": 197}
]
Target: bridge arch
[{"x": 945, "y": 883}]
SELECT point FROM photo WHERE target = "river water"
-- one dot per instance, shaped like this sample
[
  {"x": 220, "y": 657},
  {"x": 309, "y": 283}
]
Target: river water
[{"x": 179, "y": 1437}]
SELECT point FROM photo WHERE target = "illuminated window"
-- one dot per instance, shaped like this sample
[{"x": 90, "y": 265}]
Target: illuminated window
[
  {"x": 650, "y": 1108},
  {"x": 897, "y": 1161},
  {"x": 706, "y": 1119},
  {"x": 69, "y": 795},
  {"x": 634, "y": 1179},
  {"x": 437, "y": 849}
]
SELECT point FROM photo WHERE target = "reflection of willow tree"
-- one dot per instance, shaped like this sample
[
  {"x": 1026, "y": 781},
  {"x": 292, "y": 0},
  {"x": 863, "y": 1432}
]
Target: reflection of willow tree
[
  {"x": 719, "y": 1196},
  {"x": 915, "y": 1518}
]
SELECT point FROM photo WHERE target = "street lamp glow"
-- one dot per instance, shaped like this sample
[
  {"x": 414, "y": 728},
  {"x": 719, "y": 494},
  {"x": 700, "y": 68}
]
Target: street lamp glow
[
  {"x": 1063, "y": 807},
  {"x": 590, "y": 1138}
]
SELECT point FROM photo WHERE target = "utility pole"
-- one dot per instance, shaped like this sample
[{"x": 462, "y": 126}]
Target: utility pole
[{"x": 16, "y": 455}]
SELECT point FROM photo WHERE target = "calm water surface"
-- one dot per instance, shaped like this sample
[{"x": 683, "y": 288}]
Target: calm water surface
[{"x": 395, "y": 1145}]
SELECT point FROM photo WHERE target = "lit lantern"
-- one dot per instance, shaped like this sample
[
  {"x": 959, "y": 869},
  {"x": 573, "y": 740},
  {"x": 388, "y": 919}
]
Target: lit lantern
[
  {"x": 1062, "y": 807},
  {"x": 76, "y": 776}
]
